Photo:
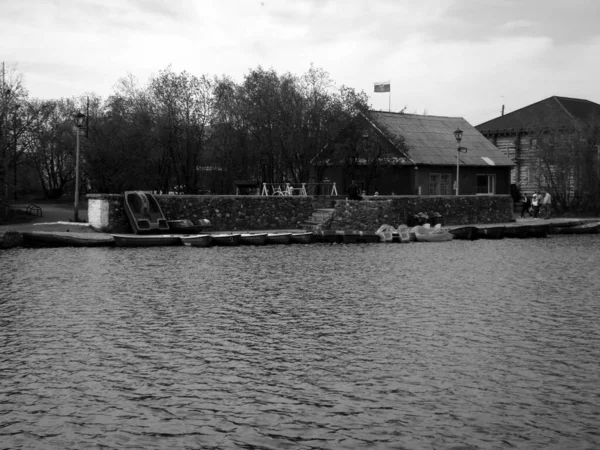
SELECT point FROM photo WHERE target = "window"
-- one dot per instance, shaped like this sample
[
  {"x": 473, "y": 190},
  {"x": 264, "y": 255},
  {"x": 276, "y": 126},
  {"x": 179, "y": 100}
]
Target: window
[
  {"x": 486, "y": 184},
  {"x": 439, "y": 183}
]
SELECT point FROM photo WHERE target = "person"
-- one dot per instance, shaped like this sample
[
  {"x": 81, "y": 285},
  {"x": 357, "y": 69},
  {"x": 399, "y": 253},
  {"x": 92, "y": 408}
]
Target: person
[
  {"x": 547, "y": 205},
  {"x": 535, "y": 204},
  {"x": 354, "y": 192},
  {"x": 525, "y": 205}
]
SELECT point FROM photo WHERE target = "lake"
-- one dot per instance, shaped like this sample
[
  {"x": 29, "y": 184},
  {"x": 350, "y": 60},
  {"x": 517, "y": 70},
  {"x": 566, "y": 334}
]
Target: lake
[{"x": 458, "y": 345}]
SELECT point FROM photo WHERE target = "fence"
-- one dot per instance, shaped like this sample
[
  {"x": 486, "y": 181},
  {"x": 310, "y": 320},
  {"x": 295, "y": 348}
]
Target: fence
[{"x": 303, "y": 189}]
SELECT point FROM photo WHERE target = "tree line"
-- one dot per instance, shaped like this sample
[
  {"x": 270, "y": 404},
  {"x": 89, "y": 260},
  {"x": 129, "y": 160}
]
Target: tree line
[{"x": 193, "y": 134}]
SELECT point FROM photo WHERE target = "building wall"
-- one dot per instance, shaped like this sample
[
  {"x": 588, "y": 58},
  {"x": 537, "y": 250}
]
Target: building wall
[
  {"x": 468, "y": 179},
  {"x": 406, "y": 180},
  {"x": 518, "y": 147}
]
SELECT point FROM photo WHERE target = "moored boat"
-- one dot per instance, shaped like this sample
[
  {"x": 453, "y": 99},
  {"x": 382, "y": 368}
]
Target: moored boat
[
  {"x": 468, "y": 233},
  {"x": 146, "y": 240},
  {"x": 186, "y": 226},
  {"x": 327, "y": 236},
  {"x": 302, "y": 237},
  {"x": 584, "y": 228},
  {"x": 253, "y": 238},
  {"x": 39, "y": 239},
  {"x": 491, "y": 232},
  {"x": 403, "y": 233},
  {"x": 537, "y": 231},
  {"x": 385, "y": 233},
  {"x": 424, "y": 234},
  {"x": 279, "y": 238},
  {"x": 516, "y": 231},
  {"x": 368, "y": 237},
  {"x": 226, "y": 239},
  {"x": 196, "y": 240},
  {"x": 350, "y": 237}
]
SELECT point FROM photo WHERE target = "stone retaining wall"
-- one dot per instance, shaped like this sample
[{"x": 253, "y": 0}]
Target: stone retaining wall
[
  {"x": 228, "y": 212},
  {"x": 370, "y": 214}
]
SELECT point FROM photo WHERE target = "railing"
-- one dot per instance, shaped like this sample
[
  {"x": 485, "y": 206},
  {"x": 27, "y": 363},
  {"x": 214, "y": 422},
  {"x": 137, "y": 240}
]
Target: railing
[
  {"x": 283, "y": 189},
  {"x": 303, "y": 189},
  {"x": 327, "y": 188}
]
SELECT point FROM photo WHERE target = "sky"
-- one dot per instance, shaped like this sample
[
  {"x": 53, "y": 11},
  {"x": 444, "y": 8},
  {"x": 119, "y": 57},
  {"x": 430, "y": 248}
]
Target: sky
[{"x": 462, "y": 58}]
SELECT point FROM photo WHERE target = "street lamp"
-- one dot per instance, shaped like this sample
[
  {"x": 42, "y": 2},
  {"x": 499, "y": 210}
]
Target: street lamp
[
  {"x": 79, "y": 117},
  {"x": 458, "y": 136},
  {"x": 17, "y": 106}
]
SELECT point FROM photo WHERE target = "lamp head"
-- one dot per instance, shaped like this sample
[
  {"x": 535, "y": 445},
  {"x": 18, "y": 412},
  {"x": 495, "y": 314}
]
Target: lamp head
[
  {"x": 79, "y": 117},
  {"x": 458, "y": 135}
]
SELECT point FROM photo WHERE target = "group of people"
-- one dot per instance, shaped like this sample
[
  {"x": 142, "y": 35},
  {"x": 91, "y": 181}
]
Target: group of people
[{"x": 539, "y": 206}]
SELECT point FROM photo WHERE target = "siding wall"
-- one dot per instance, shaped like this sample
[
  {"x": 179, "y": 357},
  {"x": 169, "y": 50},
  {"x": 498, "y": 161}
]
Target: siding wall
[{"x": 519, "y": 149}]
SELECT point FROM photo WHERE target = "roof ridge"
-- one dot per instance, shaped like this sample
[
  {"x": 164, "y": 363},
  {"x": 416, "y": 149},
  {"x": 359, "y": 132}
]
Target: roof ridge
[
  {"x": 564, "y": 108},
  {"x": 573, "y": 98},
  {"x": 416, "y": 115}
]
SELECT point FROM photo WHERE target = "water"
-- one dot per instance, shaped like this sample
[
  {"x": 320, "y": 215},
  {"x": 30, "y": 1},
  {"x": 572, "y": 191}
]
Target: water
[{"x": 460, "y": 345}]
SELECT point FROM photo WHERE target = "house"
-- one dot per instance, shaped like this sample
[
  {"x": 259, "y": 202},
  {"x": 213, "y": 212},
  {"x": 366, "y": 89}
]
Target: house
[
  {"x": 553, "y": 144},
  {"x": 410, "y": 154}
]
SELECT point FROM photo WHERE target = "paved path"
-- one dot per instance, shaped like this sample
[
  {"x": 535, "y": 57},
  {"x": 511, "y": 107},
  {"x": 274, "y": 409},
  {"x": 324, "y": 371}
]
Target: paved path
[{"x": 51, "y": 213}]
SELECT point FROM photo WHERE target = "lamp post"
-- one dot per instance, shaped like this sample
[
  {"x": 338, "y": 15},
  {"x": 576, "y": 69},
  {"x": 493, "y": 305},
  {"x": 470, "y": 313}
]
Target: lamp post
[
  {"x": 458, "y": 136},
  {"x": 78, "y": 124},
  {"x": 17, "y": 106}
]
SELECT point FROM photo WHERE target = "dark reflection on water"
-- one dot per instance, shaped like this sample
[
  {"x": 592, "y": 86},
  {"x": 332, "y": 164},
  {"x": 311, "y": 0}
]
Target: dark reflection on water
[{"x": 462, "y": 345}]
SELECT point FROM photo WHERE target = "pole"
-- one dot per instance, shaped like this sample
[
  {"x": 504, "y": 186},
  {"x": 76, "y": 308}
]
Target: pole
[
  {"x": 15, "y": 154},
  {"x": 457, "y": 166},
  {"x": 76, "y": 205}
]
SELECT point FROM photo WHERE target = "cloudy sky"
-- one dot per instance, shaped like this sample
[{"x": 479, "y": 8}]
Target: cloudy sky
[{"x": 452, "y": 58}]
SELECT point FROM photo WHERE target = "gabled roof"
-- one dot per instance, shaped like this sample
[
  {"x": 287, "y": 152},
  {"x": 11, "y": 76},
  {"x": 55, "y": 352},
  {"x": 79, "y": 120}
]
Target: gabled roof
[
  {"x": 553, "y": 112},
  {"x": 429, "y": 140}
]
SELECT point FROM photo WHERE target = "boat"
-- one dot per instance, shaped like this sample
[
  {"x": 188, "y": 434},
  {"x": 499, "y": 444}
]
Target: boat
[
  {"x": 537, "y": 231},
  {"x": 146, "y": 240},
  {"x": 196, "y": 240},
  {"x": 186, "y": 226},
  {"x": 403, "y": 233},
  {"x": 584, "y": 228},
  {"x": 424, "y": 234},
  {"x": 385, "y": 233},
  {"x": 491, "y": 232},
  {"x": 144, "y": 213},
  {"x": 468, "y": 233},
  {"x": 39, "y": 239},
  {"x": 302, "y": 237},
  {"x": 368, "y": 237},
  {"x": 253, "y": 238},
  {"x": 327, "y": 236},
  {"x": 279, "y": 238},
  {"x": 350, "y": 237},
  {"x": 516, "y": 231},
  {"x": 226, "y": 239}
]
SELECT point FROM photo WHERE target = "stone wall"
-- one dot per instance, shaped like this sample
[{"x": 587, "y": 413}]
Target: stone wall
[
  {"x": 227, "y": 212},
  {"x": 370, "y": 214}
]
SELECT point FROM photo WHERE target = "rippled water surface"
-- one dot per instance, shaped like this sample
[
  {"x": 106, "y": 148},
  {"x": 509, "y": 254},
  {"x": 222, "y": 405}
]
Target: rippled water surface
[{"x": 460, "y": 345}]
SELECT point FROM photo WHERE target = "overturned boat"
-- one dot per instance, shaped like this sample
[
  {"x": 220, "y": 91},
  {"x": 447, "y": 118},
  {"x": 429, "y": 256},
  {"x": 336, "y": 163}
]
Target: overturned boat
[{"x": 144, "y": 213}]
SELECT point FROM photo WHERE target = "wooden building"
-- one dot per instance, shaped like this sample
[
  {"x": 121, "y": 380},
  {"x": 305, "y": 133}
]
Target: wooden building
[
  {"x": 408, "y": 154},
  {"x": 517, "y": 135}
]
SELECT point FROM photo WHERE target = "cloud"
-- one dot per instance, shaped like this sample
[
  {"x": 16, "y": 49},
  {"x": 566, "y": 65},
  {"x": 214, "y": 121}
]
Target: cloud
[{"x": 457, "y": 58}]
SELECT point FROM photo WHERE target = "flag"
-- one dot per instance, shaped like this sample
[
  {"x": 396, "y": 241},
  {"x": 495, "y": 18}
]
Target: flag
[{"x": 382, "y": 87}]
